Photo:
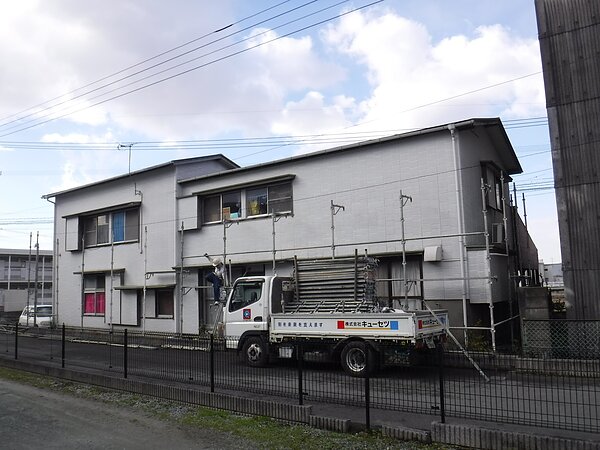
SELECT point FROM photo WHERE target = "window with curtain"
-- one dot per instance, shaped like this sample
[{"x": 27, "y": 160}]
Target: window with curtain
[
  {"x": 249, "y": 202},
  {"x": 94, "y": 295},
  {"x": 118, "y": 226},
  {"x": 413, "y": 276},
  {"x": 125, "y": 225},
  {"x": 256, "y": 201}
]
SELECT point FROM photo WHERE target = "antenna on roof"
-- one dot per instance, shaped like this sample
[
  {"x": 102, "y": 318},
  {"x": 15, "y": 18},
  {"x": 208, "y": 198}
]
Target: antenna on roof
[{"x": 122, "y": 146}]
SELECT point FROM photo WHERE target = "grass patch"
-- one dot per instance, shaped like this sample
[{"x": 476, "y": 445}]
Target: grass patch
[{"x": 265, "y": 432}]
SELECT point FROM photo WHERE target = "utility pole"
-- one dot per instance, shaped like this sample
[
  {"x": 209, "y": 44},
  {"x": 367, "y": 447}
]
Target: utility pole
[
  {"x": 334, "y": 210},
  {"x": 29, "y": 276},
  {"x": 35, "y": 278}
]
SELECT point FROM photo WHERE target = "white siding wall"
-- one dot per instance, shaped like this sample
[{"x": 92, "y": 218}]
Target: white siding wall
[
  {"x": 157, "y": 213},
  {"x": 366, "y": 180}
]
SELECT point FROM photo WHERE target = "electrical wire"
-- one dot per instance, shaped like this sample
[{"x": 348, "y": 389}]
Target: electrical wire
[
  {"x": 107, "y": 77},
  {"x": 184, "y": 72}
]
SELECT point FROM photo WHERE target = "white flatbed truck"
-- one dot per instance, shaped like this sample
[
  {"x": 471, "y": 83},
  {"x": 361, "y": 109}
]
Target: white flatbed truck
[{"x": 255, "y": 324}]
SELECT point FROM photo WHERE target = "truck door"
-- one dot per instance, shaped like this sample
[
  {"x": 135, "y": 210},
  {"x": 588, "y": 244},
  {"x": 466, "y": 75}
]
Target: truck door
[{"x": 246, "y": 310}]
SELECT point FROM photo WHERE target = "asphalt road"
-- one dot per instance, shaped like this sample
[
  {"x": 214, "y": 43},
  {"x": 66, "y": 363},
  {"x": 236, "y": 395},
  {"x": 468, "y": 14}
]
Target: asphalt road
[{"x": 39, "y": 418}]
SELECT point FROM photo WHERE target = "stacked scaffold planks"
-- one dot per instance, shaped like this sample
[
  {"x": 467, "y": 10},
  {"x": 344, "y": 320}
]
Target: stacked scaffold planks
[{"x": 334, "y": 285}]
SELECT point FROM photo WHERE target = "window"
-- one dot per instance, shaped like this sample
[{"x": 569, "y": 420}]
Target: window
[
  {"x": 212, "y": 209},
  {"x": 494, "y": 186},
  {"x": 221, "y": 207},
  {"x": 245, "y": 293},
  {"x": 256, "y": 201},
  {"x": 232, "y": 205},
  {"x": 164, "y": 303},
  {"x": 250, "y": 202},
  {"x": 280, "y": 198},
  {"x": 94, "y": 301},
  {"x": 125, "y": 225},
  {"x": 269, "y": 199},
  {"x": 96, "y": 230}
]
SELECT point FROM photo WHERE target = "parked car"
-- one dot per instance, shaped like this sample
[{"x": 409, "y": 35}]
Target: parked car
[{"x": 40, "y": 315}]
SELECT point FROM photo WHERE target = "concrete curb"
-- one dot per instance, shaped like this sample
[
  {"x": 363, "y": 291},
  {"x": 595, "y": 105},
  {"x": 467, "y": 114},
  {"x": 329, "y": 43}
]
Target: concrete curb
[
  {"x": 488, "y": 439},
  {"x": 329, "y": 423},
  {"x": 406, "y": 434}
]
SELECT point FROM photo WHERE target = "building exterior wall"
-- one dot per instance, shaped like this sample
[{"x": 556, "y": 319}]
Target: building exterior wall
[
  {"x": 569, "y": 33},
  {"x": 18, "y": 273},
  {"x": 154, "y": 248},
  {"x": 366, "y": 179}
]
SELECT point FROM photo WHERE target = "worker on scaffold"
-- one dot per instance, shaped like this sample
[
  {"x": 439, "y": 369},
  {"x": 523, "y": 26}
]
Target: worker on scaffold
[{"x": 217, "y": 276}]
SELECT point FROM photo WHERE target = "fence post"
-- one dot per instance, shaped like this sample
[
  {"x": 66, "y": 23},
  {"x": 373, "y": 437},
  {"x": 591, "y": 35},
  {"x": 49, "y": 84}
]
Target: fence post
[
  {"x": 110, "y": 345},
  {"x": 191, "y": 360},
  {"x": 300, "y": 357},
  {"x": 440, "y": 351},
  {"x": 51, "y": 331},
  {"x": 367, "y": 387},
  {"x": 17, "y": 340},
  {"x": 125, "y": 353},
  {"x": 63, "y": 346},
  {"x": 212, "y": 362}
]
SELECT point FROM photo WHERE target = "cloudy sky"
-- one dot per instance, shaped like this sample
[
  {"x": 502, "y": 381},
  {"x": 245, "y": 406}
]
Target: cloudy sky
[{"x": 256, "y": 81}]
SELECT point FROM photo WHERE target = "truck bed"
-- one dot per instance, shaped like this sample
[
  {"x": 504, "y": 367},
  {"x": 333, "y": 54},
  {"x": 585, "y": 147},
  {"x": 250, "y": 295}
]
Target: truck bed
[{"x": 411, "y": 325}]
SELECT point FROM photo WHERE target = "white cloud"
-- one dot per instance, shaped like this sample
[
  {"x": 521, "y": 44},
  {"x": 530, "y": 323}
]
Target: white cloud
[
  {"x": 83, "y": 167},
  {"x": 58, "y": 46},
  {"x": 407, "y": 70},
  {"x": 311, "y": 114},
  {"x": 77, "y": 138}
]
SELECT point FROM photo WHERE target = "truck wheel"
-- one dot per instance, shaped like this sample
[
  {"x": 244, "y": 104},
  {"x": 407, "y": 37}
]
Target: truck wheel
[
  {"x": 354, "y": 359},
  {"x": 255, "y": 352}
]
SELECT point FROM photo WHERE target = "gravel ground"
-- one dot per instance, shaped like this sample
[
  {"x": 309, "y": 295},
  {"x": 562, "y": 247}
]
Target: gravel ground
[
  {"x": 43, "y": 412},
  {"x": 33, "y": 417}
]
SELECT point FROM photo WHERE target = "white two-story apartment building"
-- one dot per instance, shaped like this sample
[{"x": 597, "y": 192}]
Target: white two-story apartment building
[{"x": 130, "y": 249}]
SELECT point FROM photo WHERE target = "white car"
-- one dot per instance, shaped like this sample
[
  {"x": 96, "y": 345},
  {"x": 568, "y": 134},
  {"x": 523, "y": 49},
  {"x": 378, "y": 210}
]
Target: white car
[{"x": 41, "y": 317}]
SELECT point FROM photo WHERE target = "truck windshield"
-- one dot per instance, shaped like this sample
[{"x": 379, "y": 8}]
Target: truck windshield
[{"x": 245, "y": 293}]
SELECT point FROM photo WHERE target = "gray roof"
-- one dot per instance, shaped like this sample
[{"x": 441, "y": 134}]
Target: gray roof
[
  {"x": 493, "y": 126},
  {"x": 173, "y": 163}
]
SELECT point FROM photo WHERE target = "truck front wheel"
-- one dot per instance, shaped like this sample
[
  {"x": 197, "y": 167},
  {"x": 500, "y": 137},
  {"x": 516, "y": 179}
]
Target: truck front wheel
[
  {"x": 354, "y": 359},
  {"x": 255, "y": 352}
]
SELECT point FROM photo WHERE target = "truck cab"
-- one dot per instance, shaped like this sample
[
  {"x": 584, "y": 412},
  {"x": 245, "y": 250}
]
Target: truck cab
[{"x": 250, "y": 304}]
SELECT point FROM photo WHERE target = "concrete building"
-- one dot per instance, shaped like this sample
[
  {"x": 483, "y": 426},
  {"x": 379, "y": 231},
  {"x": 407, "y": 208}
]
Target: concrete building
[
  {"x": 131, "y": 247},
  {"x": 569, "y": 33},
  {"x": 18, "y": 277}
]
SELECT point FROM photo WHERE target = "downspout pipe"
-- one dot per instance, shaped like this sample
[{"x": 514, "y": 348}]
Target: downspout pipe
[
  {"x": 55, "y": 254},
  {"x": 460, "y": 217}
]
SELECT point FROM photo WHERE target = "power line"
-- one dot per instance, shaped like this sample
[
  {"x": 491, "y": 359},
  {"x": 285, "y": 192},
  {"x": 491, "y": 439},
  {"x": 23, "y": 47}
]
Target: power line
[
  {"x": 231, "y": 143},
  {"x": 218, "y": 59},
  {"x": 132, "y": 67}
]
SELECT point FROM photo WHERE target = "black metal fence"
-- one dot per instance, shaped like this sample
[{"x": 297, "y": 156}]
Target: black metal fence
[{"x": 498, "y": 388}]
